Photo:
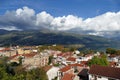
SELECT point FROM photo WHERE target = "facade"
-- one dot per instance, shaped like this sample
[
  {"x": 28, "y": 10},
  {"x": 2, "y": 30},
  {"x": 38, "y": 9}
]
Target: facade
[
  {"x": 36, "y": 59},
  {"x": 71, "y": 70},
  {"x": 52, "y": 73}
]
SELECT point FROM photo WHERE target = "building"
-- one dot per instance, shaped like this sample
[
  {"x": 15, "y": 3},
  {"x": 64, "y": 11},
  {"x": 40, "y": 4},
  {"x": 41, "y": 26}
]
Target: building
[
  {"x": 98, "y": 72},
  {"x": 51, "y": 72},
  {"x": 72, "y": 70}
]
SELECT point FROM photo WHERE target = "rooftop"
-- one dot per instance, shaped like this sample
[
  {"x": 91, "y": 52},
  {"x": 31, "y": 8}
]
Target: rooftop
[
  {"x": 105, "y": 71},
  {"x": 71, "y": 59},
  {"x": 68, "y": 76},
  {"x": 66, "y": 68}
]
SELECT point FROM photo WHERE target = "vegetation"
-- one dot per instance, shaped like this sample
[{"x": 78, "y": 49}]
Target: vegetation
[
  {"x": 98, "y": 61},
  {"x": 112, "y": 51},
  {"x": 14, "y": 71},
  {"x": 57, "y": 48},
  {"x": 50, "y": 60}
]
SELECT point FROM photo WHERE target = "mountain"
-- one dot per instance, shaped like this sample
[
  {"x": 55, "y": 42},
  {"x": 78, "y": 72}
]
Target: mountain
[
  {"x": 2, "y": 31},
  {"x": 36, "y": 37}
]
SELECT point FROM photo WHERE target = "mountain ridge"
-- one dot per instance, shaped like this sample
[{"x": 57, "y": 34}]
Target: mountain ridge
[{"x": 42, "y": 37}]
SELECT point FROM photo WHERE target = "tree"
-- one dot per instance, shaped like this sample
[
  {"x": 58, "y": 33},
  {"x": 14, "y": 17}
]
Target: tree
[
  {"x": 111, "y": 51},
  {"x": 36, "y": 74},
  {"x": 20, "y": 60},
  {"x": 13, "y": 71},
  {"x": 98, "y": 61},
  {"x": 50, "y": 59}
]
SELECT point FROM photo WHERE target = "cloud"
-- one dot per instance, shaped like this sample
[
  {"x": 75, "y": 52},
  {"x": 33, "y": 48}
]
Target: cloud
[
  {"x": 66, "y": 22},
  {"x": 26, "y": 18},
  {"x": 109, "y": 21},
  {"x": 43, "y": 19}
]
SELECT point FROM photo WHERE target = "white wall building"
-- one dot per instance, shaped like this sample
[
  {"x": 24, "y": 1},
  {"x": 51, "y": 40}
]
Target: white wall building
[{"x": 52, "y": 73}]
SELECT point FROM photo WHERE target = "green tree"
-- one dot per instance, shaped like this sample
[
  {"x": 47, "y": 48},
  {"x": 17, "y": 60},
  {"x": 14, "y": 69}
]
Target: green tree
[
  {"x": 111, "y": 51},
  {"x": 98, "y": 61},
  {"x": 50, "y": 59}
]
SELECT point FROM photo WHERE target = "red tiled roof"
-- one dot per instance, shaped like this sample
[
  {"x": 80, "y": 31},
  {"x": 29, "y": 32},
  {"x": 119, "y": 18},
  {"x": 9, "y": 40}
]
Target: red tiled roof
[
  {"x": 6, "y": 49},
  {"x": 66, "y": 68},
  {"x": 80, "y": 65},
  {"x": 71, "y": 59},
  {"x": 84, "y": 62},
  {"x": 65, "y": 54},
  {"x": 68, "y": 76},
  {"x": 29, "y": 55},
  {"x": 105, "y": 71},
  {"x": 1, "y": 50},
  {"x": 60, "y": 54}
]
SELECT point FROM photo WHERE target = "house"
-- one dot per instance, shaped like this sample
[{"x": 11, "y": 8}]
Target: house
[
  {"x": 7, "y": 52},
  {"x": 70, "y": 60},
  {"x": 14, "y": 58},
  {"x": 28, "y": 59},
  {"x": 51, "y": 72},
  {"x": 83, "y": 74},
  {"x": 113, "y": 57},
  {"x": 35, "y": 60},
  {"x": 88, "y": 57},
  {"x": 98, "y": 72},
  {"x": 70, "y": 69},
  {"x": 67, "y": 69}
]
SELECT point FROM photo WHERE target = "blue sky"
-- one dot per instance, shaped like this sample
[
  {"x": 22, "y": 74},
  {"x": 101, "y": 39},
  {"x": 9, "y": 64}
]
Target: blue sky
[
  {"x": 94, "y": 17},
  {"x": 81, "y": 8}
]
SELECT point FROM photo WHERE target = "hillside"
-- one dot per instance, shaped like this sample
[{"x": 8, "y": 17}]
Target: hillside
[{"x": 48, "y": 37}]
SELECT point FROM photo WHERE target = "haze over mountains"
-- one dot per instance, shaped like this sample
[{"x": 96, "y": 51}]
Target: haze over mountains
[{"x": 47, "y": 37}]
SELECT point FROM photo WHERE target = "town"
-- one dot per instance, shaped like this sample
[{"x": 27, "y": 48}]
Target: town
[{"x": 59, "y": 63}]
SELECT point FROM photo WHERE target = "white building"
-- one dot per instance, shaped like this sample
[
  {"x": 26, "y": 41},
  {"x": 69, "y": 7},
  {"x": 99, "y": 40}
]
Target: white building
[{"x": 52, "y": 73}]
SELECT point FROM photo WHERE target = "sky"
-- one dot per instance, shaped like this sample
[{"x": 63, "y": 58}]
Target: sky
[
  {"x": 97, "y": 16},
  {"x": 81, "y": 8}
]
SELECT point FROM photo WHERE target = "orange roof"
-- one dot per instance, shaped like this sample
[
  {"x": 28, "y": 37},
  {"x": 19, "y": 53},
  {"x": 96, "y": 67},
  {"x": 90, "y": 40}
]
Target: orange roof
[
  {"x": 60, "y": 54},
  {"x": 84, "y": 62},
  {"x": 68, "y": 76},
  {"x": 80, "y": 65},
  {"x": 29, "y": 55},
  {"x": 6, "y": 49},
  {"x": 64, "y": 69},
  {"x": 71, "y": 59},
  {"x": 67, "y": 54},
  {"x": 1, "y": 50}
]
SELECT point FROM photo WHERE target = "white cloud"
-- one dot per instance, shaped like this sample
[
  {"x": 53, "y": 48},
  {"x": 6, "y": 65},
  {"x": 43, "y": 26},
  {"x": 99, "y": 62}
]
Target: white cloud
[
  {"x": 109, "y": 21},
  {"x": 25, "y": 12},
  {"x": 25, "y": 18},
  {"x": 66, "y": 22},
  {"x": 9, "y": 28},
  {"x": 43, "y": 19}
]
